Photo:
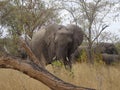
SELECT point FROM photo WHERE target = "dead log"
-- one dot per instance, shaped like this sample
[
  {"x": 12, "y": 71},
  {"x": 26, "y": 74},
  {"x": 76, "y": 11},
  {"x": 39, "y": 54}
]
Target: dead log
[{"x": 33, "y": 70}]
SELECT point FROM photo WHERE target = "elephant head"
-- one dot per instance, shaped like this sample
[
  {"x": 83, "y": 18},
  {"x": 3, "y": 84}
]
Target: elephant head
[
  {"x": 77, "y": 36},
  {"x": 67, "y": 39},
  {"x": 108, "y": 48},
  {"x": 63, "y": 44}
]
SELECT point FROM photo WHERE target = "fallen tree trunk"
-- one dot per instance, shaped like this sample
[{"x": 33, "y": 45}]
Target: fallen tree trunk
[{"x": 38, "y": 73}]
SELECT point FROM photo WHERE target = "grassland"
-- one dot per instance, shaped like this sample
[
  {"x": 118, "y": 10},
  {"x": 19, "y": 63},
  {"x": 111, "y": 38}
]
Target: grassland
[{"x": 97, "y": 76}]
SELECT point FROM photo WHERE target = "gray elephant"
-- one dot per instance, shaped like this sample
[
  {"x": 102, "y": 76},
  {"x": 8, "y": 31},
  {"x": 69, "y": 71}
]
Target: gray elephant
[
  {"x": 110, "y": 58},
  {"x": 106, "y": 57},
  {"x": 56, "y": 42},
  {"x": 108, "y": 48}
]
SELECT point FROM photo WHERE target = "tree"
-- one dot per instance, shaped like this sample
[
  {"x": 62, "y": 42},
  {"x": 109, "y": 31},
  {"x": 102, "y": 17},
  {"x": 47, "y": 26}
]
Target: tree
[
  {"x": 24, "y": 16},
  {"x": 113, "y": 37},
  {"x": 91, "y": 16}
]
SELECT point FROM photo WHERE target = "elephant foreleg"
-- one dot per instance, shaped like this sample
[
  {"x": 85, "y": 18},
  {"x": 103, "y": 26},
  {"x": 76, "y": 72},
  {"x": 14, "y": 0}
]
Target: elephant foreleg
[{"x": 67, "y": 63}]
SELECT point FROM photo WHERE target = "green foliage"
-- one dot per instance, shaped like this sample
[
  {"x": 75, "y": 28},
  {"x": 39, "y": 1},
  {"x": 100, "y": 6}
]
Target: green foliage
[
  {"x": 24, "y": 16},
  {"x": 11, "y": 46},
  {"x": 98, "y": 58},
  {"x": 57, "y": 63},
  {"x": 58, "y": 66},
  {"x": 118, "y": 47},
  {"x": 1, "y": 47},
  {"x": 82, "y": 56}
]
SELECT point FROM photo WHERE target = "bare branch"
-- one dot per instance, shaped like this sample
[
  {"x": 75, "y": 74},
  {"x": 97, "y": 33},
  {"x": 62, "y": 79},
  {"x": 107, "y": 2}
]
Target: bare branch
[{"x": 103, "y": 28}]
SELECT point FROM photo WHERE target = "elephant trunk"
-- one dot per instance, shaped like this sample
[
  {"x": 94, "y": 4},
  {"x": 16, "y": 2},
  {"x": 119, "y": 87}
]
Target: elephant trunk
[{"x": 63, "y": 57}]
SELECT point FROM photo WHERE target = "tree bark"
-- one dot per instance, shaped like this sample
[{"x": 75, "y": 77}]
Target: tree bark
[{"x": 33, "y": 70}]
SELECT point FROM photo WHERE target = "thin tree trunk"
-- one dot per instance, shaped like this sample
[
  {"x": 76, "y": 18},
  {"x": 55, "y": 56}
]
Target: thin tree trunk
[{"x": 90, "y": 56}]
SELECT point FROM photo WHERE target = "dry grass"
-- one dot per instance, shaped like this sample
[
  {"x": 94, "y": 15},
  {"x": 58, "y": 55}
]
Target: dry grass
[{"x": 98, "y": 76}]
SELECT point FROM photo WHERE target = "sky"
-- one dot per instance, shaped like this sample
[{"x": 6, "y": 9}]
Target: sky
[{"x": 114, "y": 28}]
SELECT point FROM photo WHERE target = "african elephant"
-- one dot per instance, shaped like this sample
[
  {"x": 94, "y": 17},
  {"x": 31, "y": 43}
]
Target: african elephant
[
  {"x": 56, "y": 42},
  {"x": 110, "y": 58},
  {"x": 108, "y": 48},
  {"x": 105, "y": 53}
]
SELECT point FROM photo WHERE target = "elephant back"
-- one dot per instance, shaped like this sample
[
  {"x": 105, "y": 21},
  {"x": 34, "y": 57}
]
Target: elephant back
[
  {"x": 52, "y": 29},
  {"x": 37, "y": 42},
  {"x": 110, "y": 58},
  {"x": 38, "y": 37},
  {"x": 108, "y": 48}
]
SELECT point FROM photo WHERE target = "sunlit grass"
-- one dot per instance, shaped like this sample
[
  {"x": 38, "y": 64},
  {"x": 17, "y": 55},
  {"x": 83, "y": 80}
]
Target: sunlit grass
[{"x": 97, "y": 76}]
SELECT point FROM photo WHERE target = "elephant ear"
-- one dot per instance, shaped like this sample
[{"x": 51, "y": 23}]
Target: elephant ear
[
  {"x": 77, "y": 36},
  {"x": 51, "y": 32},
  {"x": 49, "y": 38}
]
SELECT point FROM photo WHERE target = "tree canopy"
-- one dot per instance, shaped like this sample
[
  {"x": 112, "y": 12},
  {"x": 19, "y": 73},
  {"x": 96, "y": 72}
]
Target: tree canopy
[{"x": 24, "y": 16}]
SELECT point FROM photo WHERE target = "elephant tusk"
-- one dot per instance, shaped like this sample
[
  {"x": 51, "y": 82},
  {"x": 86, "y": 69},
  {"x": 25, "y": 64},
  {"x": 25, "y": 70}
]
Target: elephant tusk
[
  {"x": 54, "y": 58},
  {"x": 67, "y": 59}
]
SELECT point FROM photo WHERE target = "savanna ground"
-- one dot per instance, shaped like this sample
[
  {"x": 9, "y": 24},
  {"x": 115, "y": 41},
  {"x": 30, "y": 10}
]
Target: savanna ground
[{"x": 98, "y": 76}]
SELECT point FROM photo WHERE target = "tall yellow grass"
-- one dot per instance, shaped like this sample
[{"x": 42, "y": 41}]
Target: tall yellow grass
[{"x": 97, "y": 76}]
